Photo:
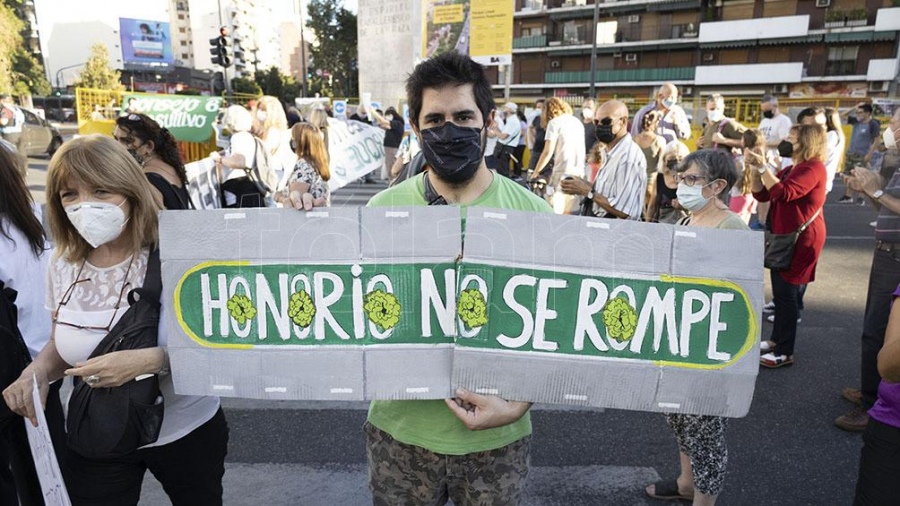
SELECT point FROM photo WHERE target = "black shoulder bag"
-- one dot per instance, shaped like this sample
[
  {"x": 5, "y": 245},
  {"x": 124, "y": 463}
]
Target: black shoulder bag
[
  {"x": 780, "y": 247},
  {"x": 249, "y": 190},
  {"x": 106, "y": 423},
  {"x": 14, "y": 355}
]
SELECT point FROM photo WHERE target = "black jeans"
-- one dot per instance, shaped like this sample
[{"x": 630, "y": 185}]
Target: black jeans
[
  {"x": 787, "y": 298},
  {"x": 879, "y": 466},
  {"x": 883, "y": 280},
  {"x": 189, "y": 469}
]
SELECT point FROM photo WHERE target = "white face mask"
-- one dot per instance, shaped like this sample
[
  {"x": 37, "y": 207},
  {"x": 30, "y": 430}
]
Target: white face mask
[
  {"x": 715, "y": 115},
  {"x": 262, "y": 116},
  {"x": 668, "y": 102},
  {"x": 888, "y": 137},
  {"x": 97, "y": 222},
  {"x": 691, "y": 197},
  {"x": 587, "y": 113}
]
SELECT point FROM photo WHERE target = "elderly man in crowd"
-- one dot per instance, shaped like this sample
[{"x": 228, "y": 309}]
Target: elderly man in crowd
[
  {"x": 618, "y": 191},
  {"x": 721, "y": 132},
  {"x": 674, "y": 124}
]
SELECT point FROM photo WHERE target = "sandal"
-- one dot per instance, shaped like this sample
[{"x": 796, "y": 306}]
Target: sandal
[
  {"x": 667, "y": 490},
  {"x": 773, "y": 361}
]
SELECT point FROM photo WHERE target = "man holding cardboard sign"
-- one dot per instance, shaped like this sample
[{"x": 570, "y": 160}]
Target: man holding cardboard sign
[{"x": 474, "y": 447}]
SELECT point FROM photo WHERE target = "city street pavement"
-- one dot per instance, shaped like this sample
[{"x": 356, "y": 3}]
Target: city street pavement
[{"x": 785, "y": 452}]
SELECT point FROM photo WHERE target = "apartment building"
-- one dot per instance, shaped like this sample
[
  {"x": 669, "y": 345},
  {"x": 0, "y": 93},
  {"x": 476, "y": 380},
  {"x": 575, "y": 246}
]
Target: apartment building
[
  {"x": 791, "y": 48},
  {"x": 182, "y": 34}
]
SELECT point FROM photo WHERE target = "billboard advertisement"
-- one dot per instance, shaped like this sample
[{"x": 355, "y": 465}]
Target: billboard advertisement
[
  {"x": 145, "y": 43},
  {"x": 482, "y": 30}
]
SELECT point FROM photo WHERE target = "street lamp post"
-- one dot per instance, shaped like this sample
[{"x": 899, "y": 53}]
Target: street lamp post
[{"x": 592, "y": 91}]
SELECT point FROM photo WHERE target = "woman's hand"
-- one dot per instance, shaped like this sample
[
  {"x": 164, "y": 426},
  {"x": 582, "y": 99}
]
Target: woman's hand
[
  {"x": 19, "y": 398},
  {"x": 864, "y": 180},
  {"x": 119, "y": 367}
]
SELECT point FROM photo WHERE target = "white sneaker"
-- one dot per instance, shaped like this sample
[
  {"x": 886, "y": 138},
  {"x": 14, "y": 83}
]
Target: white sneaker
[
  {"x": 769, "y": 307},
  {"x": 765, "y": 347},
  {"x": 873, "y": 223},
  {"x": 771, "y": 319}
]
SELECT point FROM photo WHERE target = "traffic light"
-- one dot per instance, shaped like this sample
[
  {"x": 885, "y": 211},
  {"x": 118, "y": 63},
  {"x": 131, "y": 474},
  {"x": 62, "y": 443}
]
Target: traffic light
[{"x": 218, "y": 48}]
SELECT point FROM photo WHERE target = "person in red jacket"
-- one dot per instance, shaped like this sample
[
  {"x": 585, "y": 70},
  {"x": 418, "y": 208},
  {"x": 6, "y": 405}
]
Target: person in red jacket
[{"x": 796, "y": 195}]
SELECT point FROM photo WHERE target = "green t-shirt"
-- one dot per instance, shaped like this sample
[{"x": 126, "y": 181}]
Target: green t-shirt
[{"x": 430, "y": 424}]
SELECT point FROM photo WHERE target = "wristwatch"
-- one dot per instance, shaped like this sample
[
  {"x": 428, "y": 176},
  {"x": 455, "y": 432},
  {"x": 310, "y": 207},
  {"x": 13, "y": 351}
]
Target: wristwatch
[
  {"x": 877, "y": 195},
  {"x": 590, "y": 195}
]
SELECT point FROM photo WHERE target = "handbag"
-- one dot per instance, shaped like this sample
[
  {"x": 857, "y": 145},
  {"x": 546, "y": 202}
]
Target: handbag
[
  {"x": 249, "y": 190},
  {"x": 105, "y": 423},
  {"x": 780, "y": 247}
]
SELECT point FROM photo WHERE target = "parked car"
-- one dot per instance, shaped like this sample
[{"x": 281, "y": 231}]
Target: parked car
[
  {"x": 21, "y": 159},
  {"x": 39, "y": 136}
]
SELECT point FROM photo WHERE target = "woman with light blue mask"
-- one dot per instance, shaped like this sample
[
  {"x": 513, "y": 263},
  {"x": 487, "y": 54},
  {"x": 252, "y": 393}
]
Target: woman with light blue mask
[{"x": 704, "y": 178}]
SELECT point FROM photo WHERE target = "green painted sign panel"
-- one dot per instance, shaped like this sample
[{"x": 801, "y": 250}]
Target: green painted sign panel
[
  {"x": 681, "y": 322},
  {"x": 190, "y": 118}
]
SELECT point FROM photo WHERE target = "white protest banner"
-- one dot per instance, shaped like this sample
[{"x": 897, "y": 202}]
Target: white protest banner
[
  {"x": 45, "y": 463},
  {"x": 203, "y": 183},
  {"x": 381, "y": 303},
  {"x": 355, "y": 150}
]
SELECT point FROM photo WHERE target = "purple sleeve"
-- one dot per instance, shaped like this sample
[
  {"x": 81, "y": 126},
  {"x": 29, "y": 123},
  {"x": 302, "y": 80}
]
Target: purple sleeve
[{"x": 897, "y": 291}]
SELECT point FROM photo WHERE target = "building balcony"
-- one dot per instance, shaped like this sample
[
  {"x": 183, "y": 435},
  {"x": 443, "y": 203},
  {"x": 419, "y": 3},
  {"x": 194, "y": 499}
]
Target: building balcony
[
  {"x": 754, "y": 29},
  {"x": 755, "y": 73},
  {"x": 617, "y": 76},
  {"x": 532, "y": 41},
  {"x": 584, "y": 8}
]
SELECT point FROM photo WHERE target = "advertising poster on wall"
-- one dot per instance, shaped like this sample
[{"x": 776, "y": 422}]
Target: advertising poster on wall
[
  {"x": 145, "y": 43},
  {"x": 482, "y": 30}
]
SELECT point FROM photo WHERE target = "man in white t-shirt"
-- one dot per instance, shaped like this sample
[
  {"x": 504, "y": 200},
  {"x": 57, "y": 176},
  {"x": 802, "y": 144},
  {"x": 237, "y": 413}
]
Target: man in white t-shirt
[
  {"x": 508, "y": 132},
  {"x": 774, "y": 125},
  {"x": 564, "y": 142}
]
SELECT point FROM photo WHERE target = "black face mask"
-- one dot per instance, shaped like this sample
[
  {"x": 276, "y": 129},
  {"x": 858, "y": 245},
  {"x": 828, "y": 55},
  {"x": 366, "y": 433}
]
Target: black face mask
[
  {"x": 453, "y": 152},
  {"x": 769, "y": 114},
  {"x": 604, "y": 133},
  {"x": 785, "y": 149}
]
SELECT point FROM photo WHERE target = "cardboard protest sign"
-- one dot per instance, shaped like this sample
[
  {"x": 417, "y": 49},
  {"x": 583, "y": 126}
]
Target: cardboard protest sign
[
  {"x": 190, "y": 118},
  {"x": 355, "y": 150},
  {"x": 383, "y": 304},
  {"x": 203, "y": 183}
]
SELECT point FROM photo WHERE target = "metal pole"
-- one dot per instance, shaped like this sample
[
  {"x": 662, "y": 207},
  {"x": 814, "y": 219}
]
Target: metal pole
[
  {"x": 593, "y": 90},
  {"x": 507, "y": 78},
  {"x": 302, "y": 52},
  {"x": 227, "y": 81}
]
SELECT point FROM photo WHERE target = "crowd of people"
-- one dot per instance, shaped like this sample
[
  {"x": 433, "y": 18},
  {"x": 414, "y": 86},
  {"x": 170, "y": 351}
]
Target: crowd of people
[{"x": 104, "y": 194}]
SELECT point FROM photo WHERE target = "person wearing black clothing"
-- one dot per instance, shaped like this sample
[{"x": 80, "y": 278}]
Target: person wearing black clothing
[
  {"x": 536, "y": 135},
  {"x": 393, "y": 135},
  {"x": 156, "y": 150}
]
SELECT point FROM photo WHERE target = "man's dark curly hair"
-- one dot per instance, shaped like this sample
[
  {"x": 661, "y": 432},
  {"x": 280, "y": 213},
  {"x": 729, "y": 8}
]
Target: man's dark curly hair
[
  {"x": 165, "y": 146},
  {"x": 448, "y": 69}
]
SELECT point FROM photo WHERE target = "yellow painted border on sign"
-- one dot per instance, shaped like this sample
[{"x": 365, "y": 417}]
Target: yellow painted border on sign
[
  {"x": 752, "y": 326},
  {"x": 184, "y": 326}
]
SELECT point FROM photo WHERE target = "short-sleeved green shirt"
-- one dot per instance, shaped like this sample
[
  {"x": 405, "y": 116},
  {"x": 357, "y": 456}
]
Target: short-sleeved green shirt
[{"x": 430, "y": 424}]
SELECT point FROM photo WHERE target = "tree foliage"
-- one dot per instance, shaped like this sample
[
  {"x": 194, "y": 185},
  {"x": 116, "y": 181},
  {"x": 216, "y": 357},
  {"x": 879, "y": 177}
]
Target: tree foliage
[
  {"x": 20, "y": 72},
  {"x": 274, "y": 83},
  {"x": 333, "y": 67},
  {"x": 97, "y": 74},
  {"x": 244, "y": 85}
]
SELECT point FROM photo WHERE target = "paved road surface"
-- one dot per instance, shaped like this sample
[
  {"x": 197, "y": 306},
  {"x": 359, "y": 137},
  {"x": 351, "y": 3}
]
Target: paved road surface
[{"x": 786, "y": 451}]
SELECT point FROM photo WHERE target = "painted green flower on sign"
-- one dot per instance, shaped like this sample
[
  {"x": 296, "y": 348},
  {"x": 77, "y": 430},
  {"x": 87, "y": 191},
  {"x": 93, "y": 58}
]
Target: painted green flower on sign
[
  {"x": 472, "y": 308},
  {"x": 620, "y": 319},
  {"x": 301, "y": 308},
  {"x": 382, "y": 308},
  {"x": 241, "y": 308}
]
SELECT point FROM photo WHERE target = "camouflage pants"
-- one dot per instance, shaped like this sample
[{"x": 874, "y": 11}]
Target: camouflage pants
[{"x": 402, "y": 474}]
